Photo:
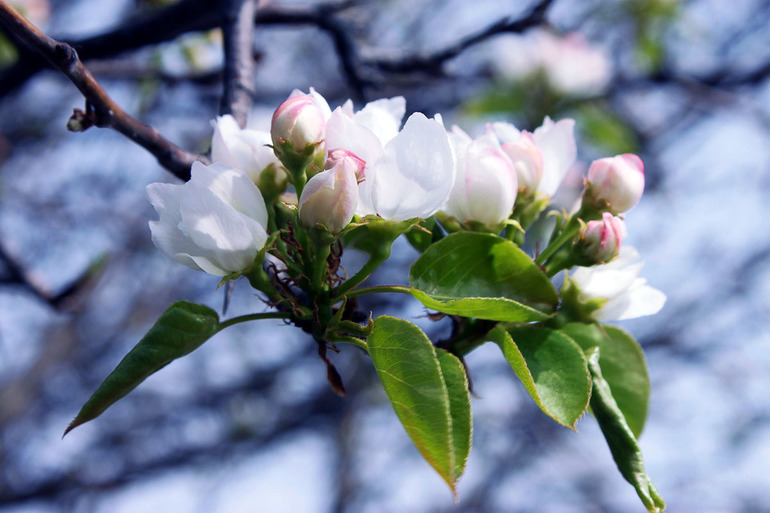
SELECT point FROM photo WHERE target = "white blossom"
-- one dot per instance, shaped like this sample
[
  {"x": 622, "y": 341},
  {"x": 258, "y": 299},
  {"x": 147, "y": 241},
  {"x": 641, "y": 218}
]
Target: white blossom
[
  {"x": 215, "y": 222},
  {"x": 485, "y": 182},
  {"x": 245, "y": 149},
  {"x": 628, "y": 296},
  {"x": 407, "y": 175}
]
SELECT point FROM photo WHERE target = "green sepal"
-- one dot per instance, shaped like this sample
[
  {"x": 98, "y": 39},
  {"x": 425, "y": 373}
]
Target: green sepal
[
  {"x": 181, "y": 329},
  {"x": 422, "y": 235},
  {"x": 272, "y": 182},
  {"x": 620, "y": 438},
  {"x": 575, "y": 309},
  {"x": 375, "y": 235}
]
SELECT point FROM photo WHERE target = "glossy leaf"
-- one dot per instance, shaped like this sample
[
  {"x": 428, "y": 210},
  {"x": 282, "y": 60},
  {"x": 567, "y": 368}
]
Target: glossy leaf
[
  {"x": 621, "y": 440},
  {"x": 428, "y": 390},
  {"x": 623, "y": 367},
  {"x": 551, "y": 367},
  {"x": 481, "y": 266},
  {"x": 181, "y": 329},
  {"x": 492, "y": 309}
]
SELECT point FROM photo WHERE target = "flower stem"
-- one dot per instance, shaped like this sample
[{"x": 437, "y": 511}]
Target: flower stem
[
  {"x": 253, "y": 317},
  {"x": 375, "y": 260},
  {"x": 379, "y": 289}
]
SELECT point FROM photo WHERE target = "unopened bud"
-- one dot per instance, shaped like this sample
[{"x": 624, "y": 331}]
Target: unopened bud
[
  {"x": 600, "y": 241},
  {"x": 617, "y": 181},
  {"x": 298, "y": 121},
  {"x": 527, "y": 161},
  {"x": 330, "y": 198}
]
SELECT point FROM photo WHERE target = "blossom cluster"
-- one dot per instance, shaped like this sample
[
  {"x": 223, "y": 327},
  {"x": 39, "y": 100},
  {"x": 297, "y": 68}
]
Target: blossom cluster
[
  {"x": 568, "y": 63},
  {"x": 348, "y": 167}
]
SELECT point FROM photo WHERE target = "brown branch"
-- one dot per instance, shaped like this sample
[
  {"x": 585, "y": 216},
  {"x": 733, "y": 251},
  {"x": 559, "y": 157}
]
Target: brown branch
[
  {"x": 185, "y": 16},
  {"x": 238, "y": 37},
  {"x": 101, "y": 110},
  {"x": 156, "y": 26}
]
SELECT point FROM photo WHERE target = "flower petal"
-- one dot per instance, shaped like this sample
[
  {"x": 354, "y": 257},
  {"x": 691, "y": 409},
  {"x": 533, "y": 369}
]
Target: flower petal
[
  {"x": 344, "y": 132},
  {"x": 640, "y": 300},
  {"x": 224, "y": 236},
  {"x": 166, "y": 234},
  {"x": 233, "y": 187},
  {"x": 416, "y": 173},
  {"x": 557, "y": 144},
  {"x": 383, "y": 117}
]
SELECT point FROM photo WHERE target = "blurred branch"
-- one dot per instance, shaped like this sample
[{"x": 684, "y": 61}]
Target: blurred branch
[
  {"x": 315, "y": 412},
  {"x": 101, "y": 110},
  {"x": 238, "y": 37},
  {"x": 322, "y": 17},
  {"x": 148, "y": 29},
  {"x": 433, "y": 62},
  {"x": 185, "y": 16},
  {"x": 66, "y": 298}
]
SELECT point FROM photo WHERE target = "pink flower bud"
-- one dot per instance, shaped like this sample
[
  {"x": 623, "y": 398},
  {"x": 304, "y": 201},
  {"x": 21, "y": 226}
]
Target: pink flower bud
[
  {"x": 330, "y": 198},
  {"x": 619, "y": 181},
  {"x": 341, "y": 156},
  {"x": 485, "y": 182},
  {"x": 527, "y": 161},
  {"x": 600, "y": 240},
  {"x": 301, "y": 121}
]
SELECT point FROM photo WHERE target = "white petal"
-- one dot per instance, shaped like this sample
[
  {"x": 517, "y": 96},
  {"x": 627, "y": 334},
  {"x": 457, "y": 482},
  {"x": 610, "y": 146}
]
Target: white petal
[
  {"x": 321, "y": 103},
  {"x": 225, "y": 129},
  {"x": 415, "y": 176},
  {"x": 224, "y": 236},
  {"x": 233, "y": 188},
  {"x": 599, "y": 281},
  {"x": 166, "y": 234},
  {"x": 638, "y": 301},
  {"x": 557, "y": 144},
  {"x": 506, "y": 132},
  {"x": 343, "y": 132},
  {"x": 383, "y": 117}
]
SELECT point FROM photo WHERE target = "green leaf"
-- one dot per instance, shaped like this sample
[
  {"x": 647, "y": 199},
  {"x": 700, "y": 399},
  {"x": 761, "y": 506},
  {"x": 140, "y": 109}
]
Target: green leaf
[
  {"x": 456, "y": 381},
  {"x": 623, "y": 366},
  {"x": 551, "y": 367},
  {"x": 487, "y": 268},
  {"x": 428, "y": 390},
  {"x": 491, "y": 309},
  {"x": 181, "y": 329},
  {"x": 621, "y": 440},
  {"x": 506, "y": 98},
  {"x": 605, "y": 129}
]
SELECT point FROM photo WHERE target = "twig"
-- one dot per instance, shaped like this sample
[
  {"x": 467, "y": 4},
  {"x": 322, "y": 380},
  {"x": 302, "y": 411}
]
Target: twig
[
  {"x": 238, "y": 37},
  {"x": 101, "y": 110},
  {"x": 322, "y": 17},
  {"x": 433, "y": 62},
  {"x": 154, "y": 27}
]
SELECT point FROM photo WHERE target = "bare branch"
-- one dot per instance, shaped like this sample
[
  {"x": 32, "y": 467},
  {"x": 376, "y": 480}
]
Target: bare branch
[
  {"x": 151, "y": 28},
  {"x": 322, "y": 17},
  {"x": 433, "y": 62},
  {"x": 101, "y": 110},
  {"x": 238, "y": 36}
]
